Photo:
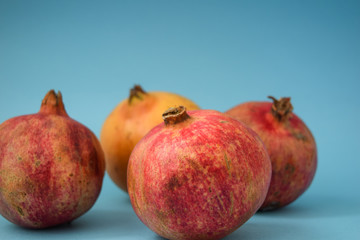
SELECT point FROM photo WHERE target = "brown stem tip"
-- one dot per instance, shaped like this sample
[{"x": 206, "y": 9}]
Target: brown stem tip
[
  {"x": 282, "y": 108},
  {"x": 137, "y": 92},
  {"x": 53, "y": 104},
  {"x": 175, "y": 115}
]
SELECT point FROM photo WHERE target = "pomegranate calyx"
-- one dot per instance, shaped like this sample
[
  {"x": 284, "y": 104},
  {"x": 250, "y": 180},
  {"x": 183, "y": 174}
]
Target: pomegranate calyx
[
  {"x": 53, "y": 104},
  {"x": 175, "y": 115},
  {"x": 136, "y": 92},
  {"x": 282, "y": 108}
]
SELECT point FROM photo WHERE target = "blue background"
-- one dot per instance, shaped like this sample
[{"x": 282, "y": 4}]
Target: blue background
[{"x": 217, "y": 53}]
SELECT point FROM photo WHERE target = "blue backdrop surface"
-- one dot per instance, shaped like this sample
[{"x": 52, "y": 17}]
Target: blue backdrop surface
[{"x": 217, "y": 53}]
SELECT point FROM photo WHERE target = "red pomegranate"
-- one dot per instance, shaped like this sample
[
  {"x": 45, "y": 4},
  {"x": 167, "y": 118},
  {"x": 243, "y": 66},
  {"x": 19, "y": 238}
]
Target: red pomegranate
[
  {"x": 290, "y": 145},
  {"x": 198, "y": 175},
  {"x": 51, "y": 167}
]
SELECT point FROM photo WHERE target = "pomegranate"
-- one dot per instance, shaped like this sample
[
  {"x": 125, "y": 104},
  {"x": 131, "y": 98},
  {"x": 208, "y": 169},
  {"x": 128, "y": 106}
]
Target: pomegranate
[
  {"x": 51, "y": 167},
  {"x": 129, "y": 122},
  {"x": 198, "y": 175},
  {"x": 290, "y": 145}
]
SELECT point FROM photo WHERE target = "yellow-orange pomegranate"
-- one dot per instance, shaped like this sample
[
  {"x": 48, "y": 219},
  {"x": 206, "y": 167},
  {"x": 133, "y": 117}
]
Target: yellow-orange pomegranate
[{"x": 129, "y": 122}]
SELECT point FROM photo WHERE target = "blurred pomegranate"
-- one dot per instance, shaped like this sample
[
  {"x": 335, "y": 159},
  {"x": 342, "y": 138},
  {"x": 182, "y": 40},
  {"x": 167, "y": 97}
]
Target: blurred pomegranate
[
  {"x": 51, "y": 167},
  {"x": 290, "y": 145}
]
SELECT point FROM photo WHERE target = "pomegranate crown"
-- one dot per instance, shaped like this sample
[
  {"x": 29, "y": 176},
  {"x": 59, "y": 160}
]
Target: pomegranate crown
[
  {"x": 53, "y": 104},
  {"x": 136, "y": 92},
  {"x": 175, "y": 115},
  {"x": 282, "y": 108}
]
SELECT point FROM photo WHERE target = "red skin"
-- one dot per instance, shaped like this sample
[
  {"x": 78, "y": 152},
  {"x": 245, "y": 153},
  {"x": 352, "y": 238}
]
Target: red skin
[
  {"x": 291, "y": 148},
  {"x": 51, "y": 169},
  {"x": 198, "y": 179}
]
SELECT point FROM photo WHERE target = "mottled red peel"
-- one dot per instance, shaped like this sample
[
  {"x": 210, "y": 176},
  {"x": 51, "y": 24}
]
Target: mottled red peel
[
  {"x": 198, "y": 179},
  {"x": 51, "y": 167},
  {"x": 290, "y": 144}
]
